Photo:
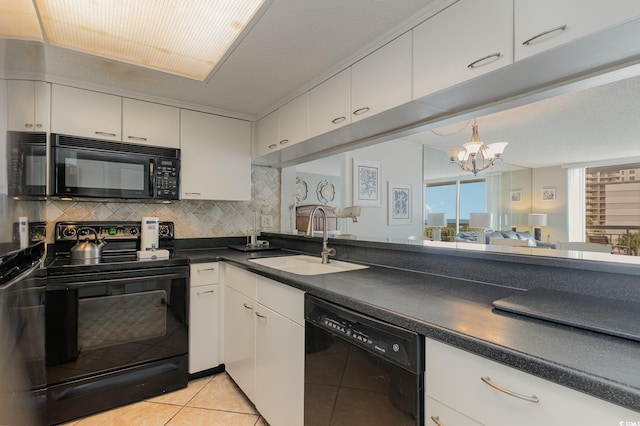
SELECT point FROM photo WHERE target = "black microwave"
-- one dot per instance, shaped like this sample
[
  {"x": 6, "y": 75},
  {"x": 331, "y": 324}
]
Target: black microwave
[
  {"x": 26, "y": 164},
  {"x": 105, "y": 169}
]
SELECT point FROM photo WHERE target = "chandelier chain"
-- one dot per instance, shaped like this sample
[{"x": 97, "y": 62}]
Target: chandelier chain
[{"x": 452, "y": 133}]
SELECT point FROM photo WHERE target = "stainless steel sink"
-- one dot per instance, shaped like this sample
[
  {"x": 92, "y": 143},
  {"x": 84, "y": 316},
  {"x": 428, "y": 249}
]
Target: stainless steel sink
[{"x": 306, "y": 265}]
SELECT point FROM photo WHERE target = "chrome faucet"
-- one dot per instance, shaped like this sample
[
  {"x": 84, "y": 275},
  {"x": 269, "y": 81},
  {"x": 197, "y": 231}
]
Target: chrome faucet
[{"x": 326, "y": 251}]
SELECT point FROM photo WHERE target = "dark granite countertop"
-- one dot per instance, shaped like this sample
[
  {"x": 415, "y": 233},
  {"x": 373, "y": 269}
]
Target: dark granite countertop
[{"x": 459, "y": 312}]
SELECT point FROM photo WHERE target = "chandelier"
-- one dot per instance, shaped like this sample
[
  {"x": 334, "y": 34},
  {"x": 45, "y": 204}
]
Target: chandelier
[{"x": 475, "y": 156}]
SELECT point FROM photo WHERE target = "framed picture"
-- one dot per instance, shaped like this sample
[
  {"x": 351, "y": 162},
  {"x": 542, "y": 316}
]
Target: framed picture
[
  {"x": 399, "y": 204},
  {"x": 548, "y": 194},
  {"x": 366, "y": 183},
  {"x": 516, "y": 196}
]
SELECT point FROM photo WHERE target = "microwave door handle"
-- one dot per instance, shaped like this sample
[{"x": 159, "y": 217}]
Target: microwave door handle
[{"x": 152, "y": 179}]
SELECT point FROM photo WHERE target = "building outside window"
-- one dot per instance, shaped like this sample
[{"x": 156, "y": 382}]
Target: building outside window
[{"x": 613, "y": 205}]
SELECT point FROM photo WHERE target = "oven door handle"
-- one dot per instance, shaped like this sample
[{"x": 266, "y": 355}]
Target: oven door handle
[{"x": 75, "y": 281}]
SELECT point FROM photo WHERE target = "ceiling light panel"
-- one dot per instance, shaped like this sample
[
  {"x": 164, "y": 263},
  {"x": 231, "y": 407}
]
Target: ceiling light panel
[
  {"x": 183, "y": 37},
  {"x": 18, "y": 20}
]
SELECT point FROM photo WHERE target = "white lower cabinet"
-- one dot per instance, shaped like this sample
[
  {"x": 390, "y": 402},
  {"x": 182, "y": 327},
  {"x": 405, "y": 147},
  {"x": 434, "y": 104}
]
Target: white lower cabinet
[
  {"x": 494, "y": 394},
  {"x": 439, "y": 414},
  {"x": 239, "y": 339},
  {"x": 264, "y": 344},
  {"x": 204, "y": 317}
]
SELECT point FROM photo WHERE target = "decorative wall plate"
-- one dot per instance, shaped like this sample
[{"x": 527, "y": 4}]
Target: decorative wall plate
[
  {"x": 301, "y": 190},
  {"x": 326, "y": 192}
]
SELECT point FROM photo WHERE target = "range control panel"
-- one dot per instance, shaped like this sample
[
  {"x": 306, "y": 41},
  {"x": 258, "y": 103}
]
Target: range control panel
[{"x": 110, "y": 231}]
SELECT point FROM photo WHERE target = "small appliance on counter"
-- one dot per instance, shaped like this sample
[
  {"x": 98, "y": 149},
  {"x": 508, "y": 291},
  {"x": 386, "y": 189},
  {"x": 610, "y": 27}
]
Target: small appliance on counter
[{"x": 149, "y": 235}]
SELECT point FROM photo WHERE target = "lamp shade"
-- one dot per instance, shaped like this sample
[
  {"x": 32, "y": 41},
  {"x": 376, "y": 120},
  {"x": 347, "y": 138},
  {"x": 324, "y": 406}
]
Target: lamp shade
[
  {"x": 436, "y": 220},
  {"x": 480, "y": 220},
  {"x": 537, "y": 219}
]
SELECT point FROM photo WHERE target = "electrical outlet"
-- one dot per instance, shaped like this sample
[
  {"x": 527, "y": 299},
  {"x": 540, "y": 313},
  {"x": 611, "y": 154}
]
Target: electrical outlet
[{"x": 266, "y": 221}]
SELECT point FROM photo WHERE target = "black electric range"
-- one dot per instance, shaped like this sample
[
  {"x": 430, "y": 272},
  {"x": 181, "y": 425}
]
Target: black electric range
[{"x": 116, "y": 327}]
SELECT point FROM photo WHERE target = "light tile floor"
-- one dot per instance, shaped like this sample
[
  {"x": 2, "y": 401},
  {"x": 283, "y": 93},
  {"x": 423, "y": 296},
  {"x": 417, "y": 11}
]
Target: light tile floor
[{"x": 210, "y": 401}]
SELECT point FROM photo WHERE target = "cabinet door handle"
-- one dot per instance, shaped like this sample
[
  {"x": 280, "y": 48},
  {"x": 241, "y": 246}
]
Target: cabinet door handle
[
  {"x": 552, "y": 30},
  {"x": 206, "y": 270},
  {"x": 339, "y": 119},
  {"x": 206, "y": 292},
  {"x": 284, "y": 141},
  {"x": 361, "y": 111},
  {"x": 436, "y": 420},
  {"x": 247, "y": 306},
  {"x": 113, "y": 135},
  {"x": 137, "y": 138},
  {"x": 39, "y": 126},
  {"x": 475, "y": 63},
  {"x": 28, "y": 125},
  {"x": 531, "y": 398},
  {"x": 192, "y": 193},
  {"x": 273, "y": 145},
  {"x": 259, "y": 315}
]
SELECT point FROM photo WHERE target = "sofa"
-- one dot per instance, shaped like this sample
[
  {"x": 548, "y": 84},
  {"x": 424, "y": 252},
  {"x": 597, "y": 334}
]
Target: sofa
[{"x": 471, "y": 237}]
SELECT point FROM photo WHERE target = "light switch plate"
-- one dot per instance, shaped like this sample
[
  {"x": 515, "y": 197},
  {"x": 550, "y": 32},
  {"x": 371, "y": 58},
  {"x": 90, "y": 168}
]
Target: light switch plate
[{"x": 266, "y": 221}]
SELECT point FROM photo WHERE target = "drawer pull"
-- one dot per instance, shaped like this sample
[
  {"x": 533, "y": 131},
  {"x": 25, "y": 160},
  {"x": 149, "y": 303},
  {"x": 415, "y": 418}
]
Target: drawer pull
[
  {"x": 137, "y": 138},
  {"x": 28, "y": 125},
  {"x": 475, "y": 63},
  {"x": 338, "y": 120},
  {"x": 247, "y": 306},
  {"x": 272, "y": 146},
  {"x": 206, "y": 270},
  {"x": 552, "y": 30},
  {"x": 113, "y": 135},
  {"x": 531, "y": 398},
  {"x": 192, "y": 193},
  {"x": 361, "y": 111},
  {"x": 259, "y": 315},
  {"x": 206, "y": 292},
  {"x": 284, "y": 141},
  {"x": 436, "y": 420}
]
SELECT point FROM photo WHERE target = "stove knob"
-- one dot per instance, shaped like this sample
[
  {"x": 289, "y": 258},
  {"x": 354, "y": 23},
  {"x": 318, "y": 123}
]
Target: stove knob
[
  {"x": 133, "y": 231},
  {"x": 69, "y": 232},
  {"x": 164, "y": 231}
]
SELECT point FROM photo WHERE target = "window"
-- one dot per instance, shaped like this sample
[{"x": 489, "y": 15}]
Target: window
[{"x": 442, "y": 197}]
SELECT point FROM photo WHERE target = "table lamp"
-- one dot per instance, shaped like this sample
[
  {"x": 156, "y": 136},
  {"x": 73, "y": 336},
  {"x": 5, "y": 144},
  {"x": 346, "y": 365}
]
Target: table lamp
[
  {"x": 537, "y": 220},
  {"x": 436, "y": 221},
  {"x": 482, "y": 222}
]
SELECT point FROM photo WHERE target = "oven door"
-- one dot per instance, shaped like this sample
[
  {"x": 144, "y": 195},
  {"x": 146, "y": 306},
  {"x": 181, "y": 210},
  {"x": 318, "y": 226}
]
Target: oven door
[
  {"x": 97, "y": 323},
  {"x": 87, "y": 173}
]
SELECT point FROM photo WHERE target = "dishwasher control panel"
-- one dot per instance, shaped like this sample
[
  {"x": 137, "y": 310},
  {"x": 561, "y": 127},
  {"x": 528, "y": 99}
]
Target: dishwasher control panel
[{"x": 398, "y": 345}]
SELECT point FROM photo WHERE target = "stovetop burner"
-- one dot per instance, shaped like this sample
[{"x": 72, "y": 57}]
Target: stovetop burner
[
  {"x": 120, "y": 236},
  {"x": 119, "y": 253}
]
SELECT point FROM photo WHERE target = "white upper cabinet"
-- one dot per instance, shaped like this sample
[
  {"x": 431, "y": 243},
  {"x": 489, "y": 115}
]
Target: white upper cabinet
[
  {"x": 468, "y": 39},
  {"x": 543, "y": 24},
  {"x": 330, "y": 104},
  {"x": 216, "y": 157},
  {"x": 284, "y": 127},
  {"x": 293, "y": 121},
  {"x": 150, "y": 123},
  {"x": 28, "y": 105},
  {"x": 382, "y": 80},
  {"x": 266, "y": 135},
  {"x": 85, "y": 113}
]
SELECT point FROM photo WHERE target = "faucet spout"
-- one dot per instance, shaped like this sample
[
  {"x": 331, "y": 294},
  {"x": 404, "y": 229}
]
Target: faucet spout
[{"x": 326, "y": 251}]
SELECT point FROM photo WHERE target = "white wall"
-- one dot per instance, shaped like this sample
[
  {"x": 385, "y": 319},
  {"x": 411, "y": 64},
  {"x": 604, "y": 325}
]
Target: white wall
[
  {"x": 401, "y": 164},
  {"x": 556, "y": 210}
]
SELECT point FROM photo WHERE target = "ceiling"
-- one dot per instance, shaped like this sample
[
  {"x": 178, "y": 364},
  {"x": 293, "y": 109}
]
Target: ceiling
[
  {"x": 591, "y": 125},
  {"x": 294, "y": 43}
]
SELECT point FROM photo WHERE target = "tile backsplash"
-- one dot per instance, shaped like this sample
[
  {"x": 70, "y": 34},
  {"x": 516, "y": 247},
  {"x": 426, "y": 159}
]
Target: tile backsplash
[{"x": 193, "y": 219}]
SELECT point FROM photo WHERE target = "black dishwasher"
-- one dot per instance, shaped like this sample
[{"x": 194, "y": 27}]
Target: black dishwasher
[{"x": 360, "y": 371}]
